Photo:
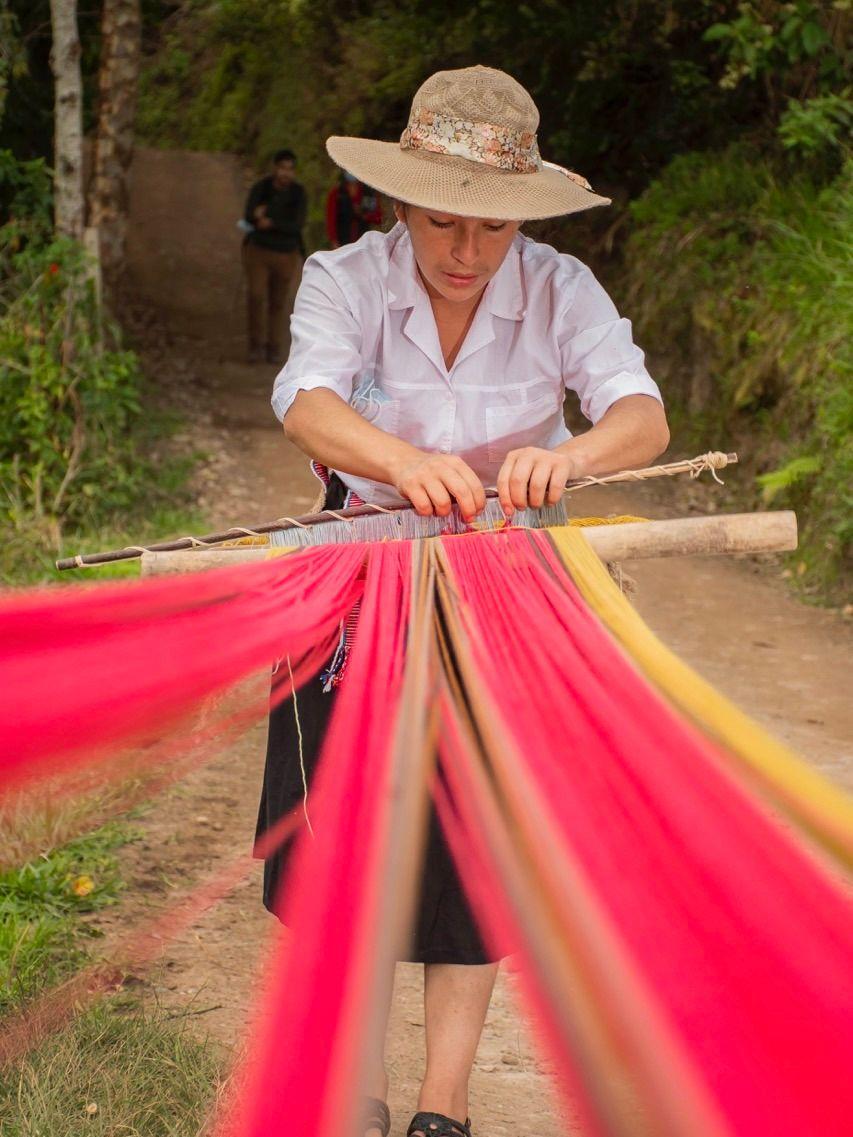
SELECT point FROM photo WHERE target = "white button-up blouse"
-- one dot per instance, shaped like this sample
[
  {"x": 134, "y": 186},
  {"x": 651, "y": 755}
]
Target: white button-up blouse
[{"x": 363, "y": 327}]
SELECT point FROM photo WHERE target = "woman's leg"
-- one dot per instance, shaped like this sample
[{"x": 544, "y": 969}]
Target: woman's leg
[
  {"x": 375, "y": 1075},
  {"x": 456, "y": 999}
]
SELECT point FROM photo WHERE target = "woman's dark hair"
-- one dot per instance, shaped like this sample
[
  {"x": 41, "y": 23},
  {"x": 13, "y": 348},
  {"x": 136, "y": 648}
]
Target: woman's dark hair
[{"x": 283, "y": 156}]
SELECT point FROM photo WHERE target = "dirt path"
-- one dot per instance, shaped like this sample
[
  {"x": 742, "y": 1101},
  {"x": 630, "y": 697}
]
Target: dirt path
[{"x": 782, "y": 662}]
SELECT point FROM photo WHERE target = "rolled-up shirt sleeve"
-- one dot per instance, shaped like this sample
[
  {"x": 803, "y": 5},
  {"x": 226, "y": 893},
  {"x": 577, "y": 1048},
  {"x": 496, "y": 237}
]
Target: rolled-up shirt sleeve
[
  {"x": 600, "y": 360},
  {"x": 326, "y": 341}
]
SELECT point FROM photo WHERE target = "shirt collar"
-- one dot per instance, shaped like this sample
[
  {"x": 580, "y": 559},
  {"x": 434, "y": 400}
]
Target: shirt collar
[{"x": 504, "y": 295}]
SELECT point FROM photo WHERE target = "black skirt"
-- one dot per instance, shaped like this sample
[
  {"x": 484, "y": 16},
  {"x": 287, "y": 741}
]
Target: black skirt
[{"x": 444, "y": 930}]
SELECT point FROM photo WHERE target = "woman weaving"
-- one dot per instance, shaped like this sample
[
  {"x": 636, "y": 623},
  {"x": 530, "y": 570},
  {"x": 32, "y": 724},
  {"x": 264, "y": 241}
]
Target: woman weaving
[{"x": 426, "y": 364}]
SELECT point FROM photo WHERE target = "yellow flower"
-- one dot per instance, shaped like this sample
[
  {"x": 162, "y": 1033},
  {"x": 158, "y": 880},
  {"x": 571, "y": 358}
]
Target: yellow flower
[{"x": 82, "y": 885}]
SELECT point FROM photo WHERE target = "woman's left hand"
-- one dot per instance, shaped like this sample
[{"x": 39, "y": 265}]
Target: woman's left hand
[{"x": 530, "y": 477}]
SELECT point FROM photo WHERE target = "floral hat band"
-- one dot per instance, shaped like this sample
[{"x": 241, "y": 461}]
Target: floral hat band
[{"x": 498, "y": 146}]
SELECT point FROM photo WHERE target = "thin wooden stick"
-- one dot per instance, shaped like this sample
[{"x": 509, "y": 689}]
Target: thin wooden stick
[{"x": 712, "y": 461}]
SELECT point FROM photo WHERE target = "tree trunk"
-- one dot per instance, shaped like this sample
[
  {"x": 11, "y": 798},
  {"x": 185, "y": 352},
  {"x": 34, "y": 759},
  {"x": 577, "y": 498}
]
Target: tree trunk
[
  {"x": 68, "y": 119},
  {"x": 121, "y": 30}
]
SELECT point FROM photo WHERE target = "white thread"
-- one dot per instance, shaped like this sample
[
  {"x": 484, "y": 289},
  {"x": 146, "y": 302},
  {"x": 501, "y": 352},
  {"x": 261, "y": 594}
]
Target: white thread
[{"x": 301, "y": 752}]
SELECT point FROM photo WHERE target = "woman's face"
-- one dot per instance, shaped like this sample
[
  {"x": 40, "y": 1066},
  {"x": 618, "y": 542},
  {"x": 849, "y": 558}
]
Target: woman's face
[{"x": 457, "y": 256}]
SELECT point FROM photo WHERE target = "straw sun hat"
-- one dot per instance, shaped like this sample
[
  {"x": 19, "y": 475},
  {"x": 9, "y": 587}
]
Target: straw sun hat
[{"x": 470, "y": 149}]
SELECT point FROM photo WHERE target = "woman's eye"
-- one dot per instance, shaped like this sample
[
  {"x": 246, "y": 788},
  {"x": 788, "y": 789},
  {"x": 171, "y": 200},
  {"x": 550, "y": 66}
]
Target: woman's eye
[
  {"x": 496, "y": 228},
  {"x": 440, "y": 224}
]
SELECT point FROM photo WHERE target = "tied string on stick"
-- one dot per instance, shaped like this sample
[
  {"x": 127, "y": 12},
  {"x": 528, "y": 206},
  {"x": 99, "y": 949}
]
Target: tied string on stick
[{"x": 377, "y": 522}]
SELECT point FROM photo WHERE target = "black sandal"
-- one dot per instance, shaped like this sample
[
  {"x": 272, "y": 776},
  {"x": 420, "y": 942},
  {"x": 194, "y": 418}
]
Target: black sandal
[
  {"x": 377, "y": 1116},
  {"x": 437, "y": 1125}
]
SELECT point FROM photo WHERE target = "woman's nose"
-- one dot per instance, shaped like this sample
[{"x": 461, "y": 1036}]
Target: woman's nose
[{"x": 465, "y": 246}]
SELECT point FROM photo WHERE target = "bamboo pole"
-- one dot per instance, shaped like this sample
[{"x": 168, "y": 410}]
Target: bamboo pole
[{"x": 719, "y": 534}]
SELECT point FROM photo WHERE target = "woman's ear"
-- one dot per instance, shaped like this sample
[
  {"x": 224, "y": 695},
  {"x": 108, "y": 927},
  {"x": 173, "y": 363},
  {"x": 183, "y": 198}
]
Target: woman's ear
[{"x": 400, "y": 211}]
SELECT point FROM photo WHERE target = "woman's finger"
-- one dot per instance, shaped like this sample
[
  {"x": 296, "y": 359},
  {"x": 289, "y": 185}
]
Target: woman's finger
[
  {"x": 474, "y": 484},
  {"x": 419, "y": 498},
  {"x": 557, "y": 483},
  {"x": 540, "y": 478},
  {"x": 440, "y": 498},
  {"x": 519, "y": 479},
  {"x": 464, "y": 494},
  {"x": 502, "y": 484}
]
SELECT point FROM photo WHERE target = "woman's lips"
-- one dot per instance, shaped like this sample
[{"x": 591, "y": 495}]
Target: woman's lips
[{"x": 461, "y": 280}]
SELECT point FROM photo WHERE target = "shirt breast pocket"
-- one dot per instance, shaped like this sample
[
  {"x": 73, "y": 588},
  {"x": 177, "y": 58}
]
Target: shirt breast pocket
[
  {"x": 376, "y": 406},
  {"x": 528, "y": 424}
]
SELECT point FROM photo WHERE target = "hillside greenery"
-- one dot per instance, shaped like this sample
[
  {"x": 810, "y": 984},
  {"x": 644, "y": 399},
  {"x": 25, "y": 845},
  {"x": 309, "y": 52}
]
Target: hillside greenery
[{"x": 737, "y": 274}]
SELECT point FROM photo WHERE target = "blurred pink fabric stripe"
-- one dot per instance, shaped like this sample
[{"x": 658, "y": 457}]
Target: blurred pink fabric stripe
[
  {"x": 302, "y": 1072},
  {"x": 744, "y": 938},
  {"x": 83, "y": 668}
]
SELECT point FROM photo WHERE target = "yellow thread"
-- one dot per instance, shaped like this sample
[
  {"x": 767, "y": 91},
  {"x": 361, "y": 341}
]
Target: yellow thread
[
  {"x": 808, "y": 798},
  {"x": 281, "y": 550},
  {"x": 584, "y": 522},
  {"x": 236, "y": 542}
]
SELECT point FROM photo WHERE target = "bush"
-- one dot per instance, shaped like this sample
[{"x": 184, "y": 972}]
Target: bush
[
  {"x": 72, "y": 429},
  {"x": 68, "y": 402},
  {"x": 739, "y": 283}
]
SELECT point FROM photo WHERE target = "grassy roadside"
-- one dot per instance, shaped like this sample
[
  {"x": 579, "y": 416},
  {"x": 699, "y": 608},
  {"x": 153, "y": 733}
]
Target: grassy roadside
[
  {"x": 117, "y": 1068},
  {"x": 113, "y": 1071},
  {"x": 43, "y": 904}
]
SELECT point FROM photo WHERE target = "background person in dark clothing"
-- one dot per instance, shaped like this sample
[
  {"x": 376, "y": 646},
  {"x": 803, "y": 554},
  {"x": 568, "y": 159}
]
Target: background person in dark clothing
[
  {"x": 272, "y": 252},
  {"x": 351, "y": 209}
]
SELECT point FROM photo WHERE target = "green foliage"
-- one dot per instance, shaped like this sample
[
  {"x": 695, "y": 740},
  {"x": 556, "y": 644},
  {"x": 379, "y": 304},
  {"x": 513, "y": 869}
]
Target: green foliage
[
  {"x": 739, "y": 283},
  {"x": 788, "y": 476},
  {"x": 819, "y": 128},
  {"x": 25, "y": 199},
  {"x": 40, "y": 908},
  {"x": 112, "y": 1073},
  {"x": 68, "y": 401},
  {"x": 797, "y": 46},
  {"x": 72, "y": 429}
]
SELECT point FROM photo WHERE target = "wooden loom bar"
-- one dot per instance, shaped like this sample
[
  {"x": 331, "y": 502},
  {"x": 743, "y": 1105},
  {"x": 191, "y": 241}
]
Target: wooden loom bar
[{"x": 769, "y": 532}]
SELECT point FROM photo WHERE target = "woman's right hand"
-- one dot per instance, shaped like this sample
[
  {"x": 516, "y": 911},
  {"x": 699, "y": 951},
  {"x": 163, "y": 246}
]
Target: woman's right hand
[{"x": 432, "y": 482}]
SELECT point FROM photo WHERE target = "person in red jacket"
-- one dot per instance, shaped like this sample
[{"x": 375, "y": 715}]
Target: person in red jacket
[{"x": 351, "y": 209}]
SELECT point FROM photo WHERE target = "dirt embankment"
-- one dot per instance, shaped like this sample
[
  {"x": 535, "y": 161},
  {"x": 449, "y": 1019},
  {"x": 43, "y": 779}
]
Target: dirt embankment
[{"x": 782, "y": 662}]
